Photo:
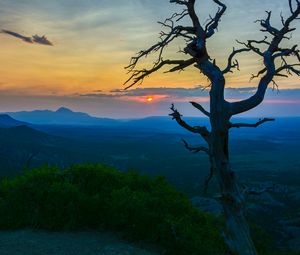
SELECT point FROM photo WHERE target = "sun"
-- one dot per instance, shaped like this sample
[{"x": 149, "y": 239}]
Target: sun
[{"x": 149, "y": 99}]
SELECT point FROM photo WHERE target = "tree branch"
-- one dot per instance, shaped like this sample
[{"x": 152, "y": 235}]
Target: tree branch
[
  {"x": 196, "y": 129},
  {"x": 214, "y": 22},
  {"x": 289, "y": 69},
  {"x": 166, "y": 38},
  {"x": 139, "y": 75},
  {"x": 259, "y": 73},
  {"x": 267, "y": 27},
  {"x": 200, "y": 33},
  {"x": 249, "y": 45},
  {"x": 195, "y": 149},
  {"x": 291, "y": 5},
  {"x": 272, "y": 52},
  {"x": 195, "y": 37},
  {"x": 260, "y": 122},
  {"x": 288, "y": 52},
  {"x": 234, "y": 63},
  {"x": 200, "y": 108}
]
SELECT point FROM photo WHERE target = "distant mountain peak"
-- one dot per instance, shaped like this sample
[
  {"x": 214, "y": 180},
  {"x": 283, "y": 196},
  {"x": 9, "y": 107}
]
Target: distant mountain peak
[{"x": 64, "y": 110}]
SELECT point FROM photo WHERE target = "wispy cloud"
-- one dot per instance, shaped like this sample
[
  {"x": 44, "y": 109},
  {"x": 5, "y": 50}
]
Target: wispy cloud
[
  {"x": 135, "y": 105},
  {"x": 172, "y": 92},
  {"x": 285, "y": 102},
  {"x": 41, "y": 40},
  {"x": 29, "y": 39},
  {"x": 184, "y": 94}
]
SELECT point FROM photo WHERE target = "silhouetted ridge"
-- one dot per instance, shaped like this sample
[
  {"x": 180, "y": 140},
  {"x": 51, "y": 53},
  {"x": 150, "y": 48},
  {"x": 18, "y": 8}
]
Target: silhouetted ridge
[
  {"x": 7, "y": 121},
  {"x": 62, "y": 116}
]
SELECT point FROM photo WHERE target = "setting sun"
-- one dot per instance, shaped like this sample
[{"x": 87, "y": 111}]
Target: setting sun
[{"x": 149, "y": 99}]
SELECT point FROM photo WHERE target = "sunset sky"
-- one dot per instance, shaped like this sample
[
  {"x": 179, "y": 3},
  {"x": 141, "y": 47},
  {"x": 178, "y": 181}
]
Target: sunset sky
[{"x": 93, "y": 41}]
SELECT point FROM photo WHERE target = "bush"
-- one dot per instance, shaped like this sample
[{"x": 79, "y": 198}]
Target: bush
[{"x": 100, "y": 197}]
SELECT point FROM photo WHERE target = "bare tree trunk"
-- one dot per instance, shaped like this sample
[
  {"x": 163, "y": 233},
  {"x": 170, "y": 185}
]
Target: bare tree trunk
[{"x": 237, "y": 234}]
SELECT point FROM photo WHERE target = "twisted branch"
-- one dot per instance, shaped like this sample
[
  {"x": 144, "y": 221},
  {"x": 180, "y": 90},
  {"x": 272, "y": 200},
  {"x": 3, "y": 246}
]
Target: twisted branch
[
  {"x": 139, "y": 75},
  {"x": 214, "y": 22},
  {"x": 200, "y": 108},
  {"x": 195, "y": 149},
  {"x": 270, "y": 54},
  {"x": 260, "y": 122},
  {"x": 234, "y": 63},
  {"x": 194, "y": 35},
  {"x": 201, "y": 130}
]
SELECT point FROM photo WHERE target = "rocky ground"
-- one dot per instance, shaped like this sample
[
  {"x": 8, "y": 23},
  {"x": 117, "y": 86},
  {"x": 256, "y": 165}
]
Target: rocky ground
[
  {"x": 28, "y": 242},
  {"x": 277, "y": 210}
]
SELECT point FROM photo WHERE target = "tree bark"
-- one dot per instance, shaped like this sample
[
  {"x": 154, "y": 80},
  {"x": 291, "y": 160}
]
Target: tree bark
[{"x": 237, "y": 235}]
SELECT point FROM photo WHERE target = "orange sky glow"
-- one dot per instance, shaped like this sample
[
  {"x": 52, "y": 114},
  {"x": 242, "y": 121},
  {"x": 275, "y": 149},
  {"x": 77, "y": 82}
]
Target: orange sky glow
[{"x": 92, "y": 46}]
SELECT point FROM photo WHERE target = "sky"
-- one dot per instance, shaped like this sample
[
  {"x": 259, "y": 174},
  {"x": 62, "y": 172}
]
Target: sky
[{"x": 93, "y": 41}]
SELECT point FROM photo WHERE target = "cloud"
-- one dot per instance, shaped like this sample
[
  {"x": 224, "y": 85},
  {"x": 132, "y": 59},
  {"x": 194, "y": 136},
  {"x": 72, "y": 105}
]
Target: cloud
[
  {"x": 34, "y": 39},
  {"x": 171, "y": 92},
  {"x": 99, "y": 95},
  {"x": 133, "y": 103},
  {"x": 122, "y": 105},
  {"x": 197, "y": 93},
  {"x": 19, "y": 36},
  {"x": 41, "y": 40}
]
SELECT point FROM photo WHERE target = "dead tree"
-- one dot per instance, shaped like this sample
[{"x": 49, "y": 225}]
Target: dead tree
[{"x": 278, "y": 61}]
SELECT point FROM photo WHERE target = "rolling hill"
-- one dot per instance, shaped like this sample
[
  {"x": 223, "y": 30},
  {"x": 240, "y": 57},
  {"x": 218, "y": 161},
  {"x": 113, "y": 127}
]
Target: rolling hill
[{"x": 7, "y": 121}]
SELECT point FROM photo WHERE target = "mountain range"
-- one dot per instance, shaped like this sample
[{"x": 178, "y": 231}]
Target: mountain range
[
  {"x": 62, "y": 116},
  {"x": 39, "y": 119},
  {"x": 48, "y": 120}
]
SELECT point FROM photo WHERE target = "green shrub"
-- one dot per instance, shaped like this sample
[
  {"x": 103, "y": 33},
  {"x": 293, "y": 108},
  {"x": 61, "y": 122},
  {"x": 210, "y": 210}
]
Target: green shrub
[{"x": 100, "y": 197}]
